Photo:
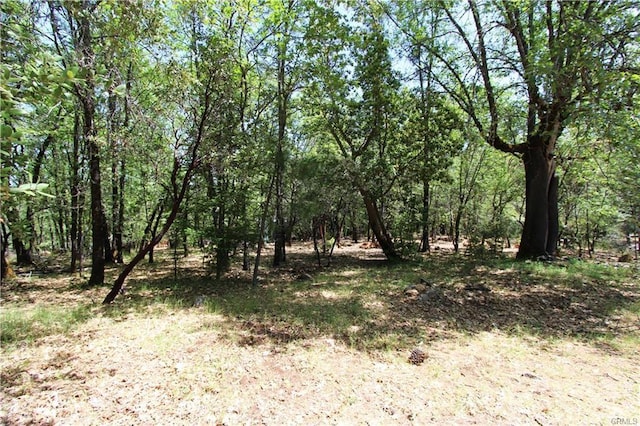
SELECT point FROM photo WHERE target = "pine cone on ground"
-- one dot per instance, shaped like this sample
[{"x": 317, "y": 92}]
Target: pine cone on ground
[{"x": 417, "y": 356}]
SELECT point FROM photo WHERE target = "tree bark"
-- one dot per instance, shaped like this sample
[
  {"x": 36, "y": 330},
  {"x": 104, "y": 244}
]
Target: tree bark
[
  {"x": 540, "y": 230},
  {"x": 279, "y": 255},
  {"x": 77, "y": 200},
  {"x": 5, "y": 269},
  {"x": 424, "y": 240},
  {"x": 263, "y": 223},
  {"x": 377, "y": 226},
  {"x": 87, "y": 99}
]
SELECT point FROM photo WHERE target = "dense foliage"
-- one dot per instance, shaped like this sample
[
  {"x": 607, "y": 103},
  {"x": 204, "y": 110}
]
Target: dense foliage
[{"x": 237, "y": 122}]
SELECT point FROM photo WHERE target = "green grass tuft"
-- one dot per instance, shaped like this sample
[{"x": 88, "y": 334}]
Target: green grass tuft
[{"x": 18, "y": 325}]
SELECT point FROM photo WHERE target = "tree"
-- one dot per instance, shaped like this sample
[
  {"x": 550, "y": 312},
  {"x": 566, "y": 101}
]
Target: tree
[
  {"x": 435, "y": 123},
  {"x": 559, "y": 56},
  {"x": 353, "y": 95},
  {"x": 32, "y": 101},
  {"x": 200, "y": 107}
]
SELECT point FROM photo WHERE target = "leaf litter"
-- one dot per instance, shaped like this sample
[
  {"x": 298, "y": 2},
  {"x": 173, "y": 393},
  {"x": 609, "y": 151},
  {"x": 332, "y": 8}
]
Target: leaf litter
[{"x": 521, "y": 352}]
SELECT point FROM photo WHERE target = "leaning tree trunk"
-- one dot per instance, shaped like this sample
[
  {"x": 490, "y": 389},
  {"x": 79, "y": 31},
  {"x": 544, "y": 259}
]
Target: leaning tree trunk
[
  {"x": 377, "y": 226},
  {"x": 540, "y": 231}
]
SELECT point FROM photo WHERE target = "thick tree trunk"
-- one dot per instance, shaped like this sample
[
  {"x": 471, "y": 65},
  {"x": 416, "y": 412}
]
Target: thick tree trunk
[
  {"x": 97, "y": 213},
  {"x": 87, "y": 99},
  {"x": 377, "y": 226},
  {"x": 23, "y": 254},
  {"x": 540, "y": 231}
]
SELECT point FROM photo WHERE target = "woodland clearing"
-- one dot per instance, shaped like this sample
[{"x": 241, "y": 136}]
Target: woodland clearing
[{"x": 506, "y": 342}]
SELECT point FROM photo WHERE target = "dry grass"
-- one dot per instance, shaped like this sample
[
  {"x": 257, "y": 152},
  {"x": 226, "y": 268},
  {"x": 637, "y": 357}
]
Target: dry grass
[{"x": 555, "y": 344}]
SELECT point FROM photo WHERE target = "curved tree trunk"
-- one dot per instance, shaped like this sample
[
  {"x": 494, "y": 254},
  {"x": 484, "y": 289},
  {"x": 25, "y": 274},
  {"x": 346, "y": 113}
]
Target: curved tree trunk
[{"x": 378, "y": 227}]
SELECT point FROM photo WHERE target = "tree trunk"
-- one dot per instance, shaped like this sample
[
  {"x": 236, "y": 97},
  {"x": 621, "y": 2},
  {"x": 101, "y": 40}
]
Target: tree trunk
[
  {"x": 377, "y": 226},
  {"x": 222, "y": 250},
  {"x": 113, "y": 248},
  {"x": 263, "y": 223},
  {"x": 119, "y": 186},
  {"x": 5, "y": 268},
  {"x": 25, "y": 255},
  {"x": 87, "y": 100},
  {"x": 152, "y": 227},
  {"x": 108, "y": 252},
  {"x": 354, "y": 226},
  {"x": 97, "y": 213},
  {"x": 118, "y": 223},
  {"x": 424, "y": 241},
  {"x": 456, "y": 229},
  {"x": 77, "y": 200},
  {"x": 540, "y": 231},
  {"x": 279, "y": 255}
]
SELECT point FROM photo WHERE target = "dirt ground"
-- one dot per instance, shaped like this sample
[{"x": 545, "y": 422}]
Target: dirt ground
[{"x": 191, "y": 366}]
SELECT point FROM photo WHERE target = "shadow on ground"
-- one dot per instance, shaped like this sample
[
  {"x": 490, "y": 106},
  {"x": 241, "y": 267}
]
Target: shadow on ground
[{"x": 363, "y": 302}]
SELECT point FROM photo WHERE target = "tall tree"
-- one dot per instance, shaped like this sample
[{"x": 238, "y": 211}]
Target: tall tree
[
  {"x": 561, "y": 56},
  {"x": 200, "y": 105},
  {"x": 353, "y": 94}
]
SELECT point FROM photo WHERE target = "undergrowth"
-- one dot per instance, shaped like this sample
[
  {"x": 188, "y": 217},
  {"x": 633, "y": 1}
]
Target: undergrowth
[
  {"x": 363, "y": 304},
  {"x": 21, "y": 325}
]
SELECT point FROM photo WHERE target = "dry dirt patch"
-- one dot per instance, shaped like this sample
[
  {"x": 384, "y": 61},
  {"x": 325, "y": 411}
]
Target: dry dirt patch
[{"x": 184, "y": 368}]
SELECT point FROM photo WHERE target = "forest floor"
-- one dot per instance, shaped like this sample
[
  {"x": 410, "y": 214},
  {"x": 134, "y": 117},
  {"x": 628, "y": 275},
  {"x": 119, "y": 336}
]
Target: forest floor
[{"x": 505, "y": 342}]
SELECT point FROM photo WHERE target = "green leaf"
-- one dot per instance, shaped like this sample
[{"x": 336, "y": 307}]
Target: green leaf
[
  {"x": 32, "y": 189},
  {"x": 5, "y": 131},
  {"x": 121, "y": 90},
  {"x": 45, "y": 194}
]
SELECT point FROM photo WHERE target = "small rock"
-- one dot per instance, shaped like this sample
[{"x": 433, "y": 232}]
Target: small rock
[
  {"x": 420, "y": 287},
  {"x": 412, "y": 292},
  {"x": 529, "y": 375},
  {"x": 431, "y": 294},
  {"x": 199, "y": 301}
]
